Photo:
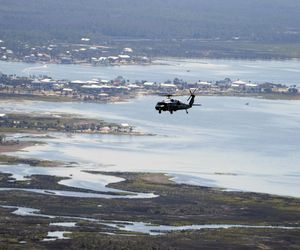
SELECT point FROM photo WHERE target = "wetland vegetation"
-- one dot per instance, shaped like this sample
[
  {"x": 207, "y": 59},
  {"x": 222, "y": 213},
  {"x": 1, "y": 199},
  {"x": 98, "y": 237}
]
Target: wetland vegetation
[{"x": 176, "y": 205}]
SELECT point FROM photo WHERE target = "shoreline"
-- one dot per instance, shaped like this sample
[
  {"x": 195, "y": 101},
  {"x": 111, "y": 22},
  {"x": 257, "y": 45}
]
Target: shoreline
[
  {"x": 177, "y": 205},
  {"x": 70, "y": 124},
  {"x": 28, "y": 97},
  {"x": 264, "y": 216},
  {"x": 8, "y": 148},
  {"x": 160, "y": 60}
]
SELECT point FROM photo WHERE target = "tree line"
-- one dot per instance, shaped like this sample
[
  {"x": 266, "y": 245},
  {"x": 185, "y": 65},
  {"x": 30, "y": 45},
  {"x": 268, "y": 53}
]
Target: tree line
[{"x": 256, "y": 20}]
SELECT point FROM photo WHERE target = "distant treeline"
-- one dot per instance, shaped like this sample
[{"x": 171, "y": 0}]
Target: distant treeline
[{"x": 68, "y": 20}]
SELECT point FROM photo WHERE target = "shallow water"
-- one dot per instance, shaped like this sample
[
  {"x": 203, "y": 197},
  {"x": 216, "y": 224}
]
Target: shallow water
[
  {"x": 286, "y": 72},
  {"x": 138, "y": 227},
  {"x": 224, "y": 143},
  {"x": 57, "y": 235},
  {"x": 77, "y": 177},
  {"x": 161, "y": 229},
  {"x": 63, "y": 224}
]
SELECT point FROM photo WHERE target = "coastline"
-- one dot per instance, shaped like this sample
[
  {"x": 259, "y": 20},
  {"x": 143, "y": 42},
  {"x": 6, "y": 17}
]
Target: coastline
[
  {"x": 175, "y": 206},
  {"x": 259, "y": 216},
  {"x": 71, "y": 124},
  {"x": 22, "y": 145},
  {"x": 117, "y": 99}
]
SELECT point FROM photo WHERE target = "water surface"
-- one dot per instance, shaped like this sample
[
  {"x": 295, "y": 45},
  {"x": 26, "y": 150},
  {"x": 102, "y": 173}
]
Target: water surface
[
  {"x": 224, "y": 143},
  {"x": 286, "y": 72}
]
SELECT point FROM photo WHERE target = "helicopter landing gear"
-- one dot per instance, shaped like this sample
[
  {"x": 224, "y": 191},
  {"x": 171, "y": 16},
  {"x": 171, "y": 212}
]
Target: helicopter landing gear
[{"x": 159, "y": 111}]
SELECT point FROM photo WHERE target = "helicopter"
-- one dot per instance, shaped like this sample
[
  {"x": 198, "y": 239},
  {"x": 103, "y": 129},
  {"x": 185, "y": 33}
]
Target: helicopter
[{"x": 172, "y": 105}]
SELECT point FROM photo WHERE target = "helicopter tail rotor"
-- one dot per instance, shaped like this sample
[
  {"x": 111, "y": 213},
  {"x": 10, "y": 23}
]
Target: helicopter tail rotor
[{"x": 192, "y": 93}]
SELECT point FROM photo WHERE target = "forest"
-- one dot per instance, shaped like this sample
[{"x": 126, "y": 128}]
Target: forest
[{"x": 271, "y": 21}]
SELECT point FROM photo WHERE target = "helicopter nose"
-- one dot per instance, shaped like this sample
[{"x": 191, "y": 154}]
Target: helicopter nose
[{"x": 158, "y": 106}]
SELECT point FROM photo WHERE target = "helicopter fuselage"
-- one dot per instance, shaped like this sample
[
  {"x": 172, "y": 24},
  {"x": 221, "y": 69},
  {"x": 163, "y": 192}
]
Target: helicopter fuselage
[{"x": 171, "y": 105}]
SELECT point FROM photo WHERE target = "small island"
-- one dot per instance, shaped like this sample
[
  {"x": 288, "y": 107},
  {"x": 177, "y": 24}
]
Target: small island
[{"x": 32, "y": 123}]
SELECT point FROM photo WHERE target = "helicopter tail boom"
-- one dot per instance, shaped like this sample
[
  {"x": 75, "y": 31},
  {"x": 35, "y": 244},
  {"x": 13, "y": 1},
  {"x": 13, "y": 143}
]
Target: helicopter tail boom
[{"x": 192, "y": 98}]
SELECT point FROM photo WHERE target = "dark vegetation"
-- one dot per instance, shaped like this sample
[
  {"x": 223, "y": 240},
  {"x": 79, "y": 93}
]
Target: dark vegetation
[
  {"x": 263, "y": 20},
  {"x": 192, "y": 28},
  {"x": 211, "y": 48},
  {"x": 176, "y": 205},
  {"x": 12, "y": 160}
]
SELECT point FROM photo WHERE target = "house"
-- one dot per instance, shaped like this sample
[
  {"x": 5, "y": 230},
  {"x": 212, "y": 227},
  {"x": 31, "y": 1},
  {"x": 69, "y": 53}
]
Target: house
[
  {"x": 239, "y": 82},
  {"x": 125, "y": 128},
  {"x": 76, "y": 84},
  {"x": 67, "y": 91},
  {"x": 94, "y": 60},
  {"x": 203, "y": 85},
  {"x": 103, "y": 60},
  {"x": 58, "y": 86},
  {"x": 124, "y": 58},
  {"x": 133, "y": 86},
  {"x": 85, "y": 39},
  {"x": 112, "y": 59},
  {"x": 252, "y": 87},
  {"x": 97, "y": 88},
  {"x": 238, "y": 85},
  {"x": 4, "y": 119},
  {"x": 142, "y": 59},
  {"x": 149, "y": 85},
  {"x": 36, "y": 84},
  {"x": 104, "y": 81},
  {"x": 103, "y": 96},
  {"x": 30, "y": 59},
  {"x": 168, "y": 87},
  {"x": 280, "y": 90},
  {"x": 43, "y": 57},
  {"x": 128, "y": 50},
  {"x": 66, "y": 60},
  {"x": 267, "y": 87},
  {"x": 47, "y": 83}
]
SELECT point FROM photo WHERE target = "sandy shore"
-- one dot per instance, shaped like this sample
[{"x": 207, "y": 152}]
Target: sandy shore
[{"x": 4, "y": 148}]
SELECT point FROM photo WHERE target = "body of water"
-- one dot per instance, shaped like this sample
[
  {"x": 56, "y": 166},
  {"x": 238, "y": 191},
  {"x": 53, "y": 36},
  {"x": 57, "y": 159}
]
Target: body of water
[
  {"x": 223, "y": 143},
  {"x": 286, "y": 72},
  {"x": 129, "y": 226}
]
